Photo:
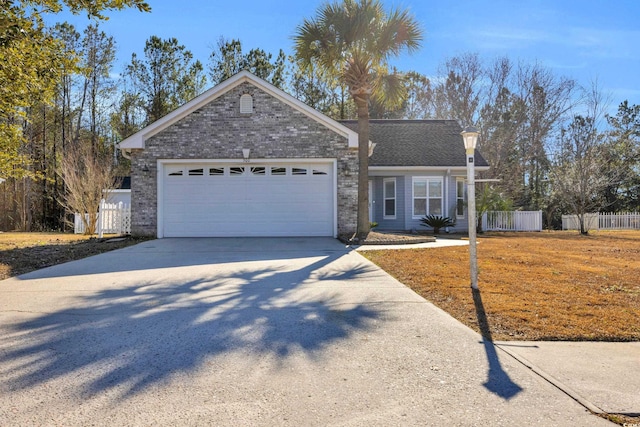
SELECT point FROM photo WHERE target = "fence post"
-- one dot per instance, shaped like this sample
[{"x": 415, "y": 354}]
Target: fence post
[
  {"x": 119, "y": 217},
  {"x": 100, "y": 227}
]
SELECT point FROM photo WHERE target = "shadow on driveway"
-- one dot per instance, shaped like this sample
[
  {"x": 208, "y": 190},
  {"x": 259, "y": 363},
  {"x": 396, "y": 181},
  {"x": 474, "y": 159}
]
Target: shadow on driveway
[
  {"x": 128, "y": 337},
  {"x": 499, "y": 381}
]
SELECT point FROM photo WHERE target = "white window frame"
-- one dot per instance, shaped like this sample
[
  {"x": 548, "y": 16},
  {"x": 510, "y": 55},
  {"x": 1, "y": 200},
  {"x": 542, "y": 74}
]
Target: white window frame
[
  {"x": 426, "y": 180},
  {"x": 385, "y": 198},
  {"x": 462, "y": 196}
]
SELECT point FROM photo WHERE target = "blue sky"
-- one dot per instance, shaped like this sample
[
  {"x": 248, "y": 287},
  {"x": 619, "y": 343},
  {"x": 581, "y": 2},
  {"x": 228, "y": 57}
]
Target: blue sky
[{"x": 584, "y": 40}]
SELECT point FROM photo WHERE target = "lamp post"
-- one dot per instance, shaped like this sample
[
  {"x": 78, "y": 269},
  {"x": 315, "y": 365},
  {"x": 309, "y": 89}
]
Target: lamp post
[{"x": 470, "y": 137}]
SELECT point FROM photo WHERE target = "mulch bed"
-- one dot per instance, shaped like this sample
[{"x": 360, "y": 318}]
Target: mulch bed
[{"x": 389, "y": 238}]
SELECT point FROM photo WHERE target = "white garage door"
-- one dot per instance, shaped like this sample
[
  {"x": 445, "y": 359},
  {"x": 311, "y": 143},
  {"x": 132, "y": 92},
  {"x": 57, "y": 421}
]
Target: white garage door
[{"x": 219, "y": 200}]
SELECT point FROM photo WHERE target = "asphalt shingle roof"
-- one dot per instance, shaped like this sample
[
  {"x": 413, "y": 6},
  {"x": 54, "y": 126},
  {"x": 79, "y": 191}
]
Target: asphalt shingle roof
[{"x": 416, "y": 143}]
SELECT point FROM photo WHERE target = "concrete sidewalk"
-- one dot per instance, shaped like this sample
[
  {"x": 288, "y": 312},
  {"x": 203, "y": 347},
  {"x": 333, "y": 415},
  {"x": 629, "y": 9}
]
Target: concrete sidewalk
[
  {"x": 251, "y": 332},
  {"x": 602, "y": 376}
]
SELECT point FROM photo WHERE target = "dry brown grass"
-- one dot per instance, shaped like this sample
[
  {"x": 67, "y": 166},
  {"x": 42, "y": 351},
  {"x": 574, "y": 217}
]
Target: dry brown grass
[
  {"x": 24, "y": 252},
  {"x": 534, "y": 286}
]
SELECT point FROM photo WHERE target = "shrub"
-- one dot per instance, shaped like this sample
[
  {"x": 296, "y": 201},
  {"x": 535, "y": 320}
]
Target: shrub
[{"x": 437, "y": 222}]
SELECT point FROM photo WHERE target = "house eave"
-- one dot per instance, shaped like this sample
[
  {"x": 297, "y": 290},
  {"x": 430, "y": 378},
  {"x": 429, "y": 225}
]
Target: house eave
[
  {"x": 423, "y": 168},
  {"x": 137, "y": 140}
]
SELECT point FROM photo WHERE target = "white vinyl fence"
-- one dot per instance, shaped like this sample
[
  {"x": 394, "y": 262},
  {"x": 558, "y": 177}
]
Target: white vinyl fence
[
  {"x": 603, "y": 221},
  {"x": 512, "y": 221},
  {"x": 113, "y": 218}
]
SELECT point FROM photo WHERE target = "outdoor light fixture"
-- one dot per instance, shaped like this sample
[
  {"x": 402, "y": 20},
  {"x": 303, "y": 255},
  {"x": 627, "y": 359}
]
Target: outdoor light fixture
[
  {"x": 145, "y": 168},
  {"x": 245, "y": 154},
  {"x": 372, "y": 146},
  {"x": 470, "y": 137}
]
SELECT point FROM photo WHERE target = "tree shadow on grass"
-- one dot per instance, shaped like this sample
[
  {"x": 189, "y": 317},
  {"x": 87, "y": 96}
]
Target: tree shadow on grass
[
  {"x": 132, "y": 337},
  {"x": 498, "y": 381}
]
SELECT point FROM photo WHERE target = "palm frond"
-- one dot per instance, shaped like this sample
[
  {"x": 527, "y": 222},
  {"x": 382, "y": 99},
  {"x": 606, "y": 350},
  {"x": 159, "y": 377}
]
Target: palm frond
[
  {"x": 354, "y": 39},
  {"x": 389, "y": 89}
]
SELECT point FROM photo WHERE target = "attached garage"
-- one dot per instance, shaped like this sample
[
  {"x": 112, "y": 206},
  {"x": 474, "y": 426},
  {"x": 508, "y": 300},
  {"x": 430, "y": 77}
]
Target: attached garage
[
  {"x": 243, "y": 159},
  {"x": 260, "y": 198}
]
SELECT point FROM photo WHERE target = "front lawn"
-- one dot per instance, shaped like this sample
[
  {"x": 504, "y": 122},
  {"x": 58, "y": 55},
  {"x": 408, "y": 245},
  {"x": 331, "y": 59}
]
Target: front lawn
[{"x": 533, "y": 286}]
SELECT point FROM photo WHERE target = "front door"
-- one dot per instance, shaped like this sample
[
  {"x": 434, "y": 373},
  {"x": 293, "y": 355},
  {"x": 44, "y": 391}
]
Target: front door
[{"x": 371, "y": 202}]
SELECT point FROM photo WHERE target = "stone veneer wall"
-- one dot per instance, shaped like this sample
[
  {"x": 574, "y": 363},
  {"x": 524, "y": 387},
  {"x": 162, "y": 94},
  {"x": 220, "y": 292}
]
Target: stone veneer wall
[{"x": 219, "y": 131}]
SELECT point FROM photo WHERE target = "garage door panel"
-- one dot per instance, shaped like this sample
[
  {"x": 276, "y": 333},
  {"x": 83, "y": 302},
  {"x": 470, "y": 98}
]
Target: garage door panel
[{"x": 255, "y": 203}]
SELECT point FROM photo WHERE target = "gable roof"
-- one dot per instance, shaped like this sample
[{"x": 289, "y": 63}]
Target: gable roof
[
  {"x": 417, "y": 143},
  {"x": 137, "y": 140}
]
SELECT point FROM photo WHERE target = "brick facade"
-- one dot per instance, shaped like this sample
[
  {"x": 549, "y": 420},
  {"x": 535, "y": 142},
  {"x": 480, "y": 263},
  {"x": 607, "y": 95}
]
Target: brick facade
[{"x": 218, "y": 130}]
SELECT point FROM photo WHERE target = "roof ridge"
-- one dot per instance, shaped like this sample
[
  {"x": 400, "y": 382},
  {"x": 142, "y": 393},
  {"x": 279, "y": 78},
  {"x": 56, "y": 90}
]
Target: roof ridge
[{"x": 401, "y": 120}]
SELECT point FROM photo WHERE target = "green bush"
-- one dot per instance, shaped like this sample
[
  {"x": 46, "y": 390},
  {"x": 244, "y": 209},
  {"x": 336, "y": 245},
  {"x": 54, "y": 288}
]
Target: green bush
[{"x": 437, "y": 222}]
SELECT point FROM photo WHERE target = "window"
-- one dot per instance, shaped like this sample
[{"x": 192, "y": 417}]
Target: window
[
  {"x": 196, "y": 172},
  {"x": 298, "y": 171},
  {"x": 258, "y": 170},
  {"x": 320, "y": 170},
  {"x": 176, "y": 173},
  {"x": 460, "y": 197},
  {"x": 216, "y": 171},
  {"x": 435, "y": 198},
  {"x": 236, "y": 170},
  {"x": 389, "y": 198},
  {"x": 419, "y": 198},
  {"x": 278, "y": 170},
  {"x": 427, "y": 197}
]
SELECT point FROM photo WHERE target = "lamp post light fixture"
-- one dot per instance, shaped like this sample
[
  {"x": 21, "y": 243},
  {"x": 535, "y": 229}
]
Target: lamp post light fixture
[{"x": 470, "y": 137}]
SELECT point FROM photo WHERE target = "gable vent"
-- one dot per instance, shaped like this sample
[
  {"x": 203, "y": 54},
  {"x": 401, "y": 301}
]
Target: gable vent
[{"x": 246, "y": 104}]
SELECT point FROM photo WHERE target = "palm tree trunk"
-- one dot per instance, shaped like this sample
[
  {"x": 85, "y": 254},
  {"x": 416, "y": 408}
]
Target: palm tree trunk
[{"x": 363, "y": 225}]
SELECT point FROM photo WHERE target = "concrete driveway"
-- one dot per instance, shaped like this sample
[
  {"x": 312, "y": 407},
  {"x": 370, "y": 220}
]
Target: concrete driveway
[{"x": 250, "y": 332}]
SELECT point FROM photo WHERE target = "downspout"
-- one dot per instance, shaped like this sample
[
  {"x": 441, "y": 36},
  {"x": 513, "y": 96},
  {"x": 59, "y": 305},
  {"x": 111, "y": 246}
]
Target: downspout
[{"x": 446, "y": 192}]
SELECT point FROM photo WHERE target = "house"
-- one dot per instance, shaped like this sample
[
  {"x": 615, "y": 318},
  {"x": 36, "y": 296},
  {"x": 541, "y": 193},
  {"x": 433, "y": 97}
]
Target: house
[
  {"x": 247, "y": 159},
  {"x": 418, "y": 168}
]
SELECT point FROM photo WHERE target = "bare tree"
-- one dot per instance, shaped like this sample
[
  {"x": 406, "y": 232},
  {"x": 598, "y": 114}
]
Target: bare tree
[
  {"x": 580, "y": 172},
  {"x": 524, "y": 107},
  {"x": 88, "y": 177},
  {"x": 547, "y": 98},
  {"x": 458, "y": 93}
]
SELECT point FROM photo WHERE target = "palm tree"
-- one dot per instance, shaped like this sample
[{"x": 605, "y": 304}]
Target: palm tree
[{"x": 353, "y": 41}]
